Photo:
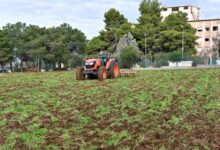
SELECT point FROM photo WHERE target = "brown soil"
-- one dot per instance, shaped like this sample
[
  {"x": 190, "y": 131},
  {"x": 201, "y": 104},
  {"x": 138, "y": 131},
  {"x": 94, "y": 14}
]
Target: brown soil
[{"x": 19, "y": 145}]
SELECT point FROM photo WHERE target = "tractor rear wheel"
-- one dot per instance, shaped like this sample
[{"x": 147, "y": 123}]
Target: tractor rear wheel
[
  {"x": 102, "y": 73},
  {"x": 79, "y": 75},
  {"x": 114, "y": 71}
]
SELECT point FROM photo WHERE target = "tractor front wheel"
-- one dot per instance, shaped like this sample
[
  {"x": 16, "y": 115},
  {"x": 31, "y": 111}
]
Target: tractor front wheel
[
  {"x": 102, "y": 74},
  {"x": 79, "y": 75}
]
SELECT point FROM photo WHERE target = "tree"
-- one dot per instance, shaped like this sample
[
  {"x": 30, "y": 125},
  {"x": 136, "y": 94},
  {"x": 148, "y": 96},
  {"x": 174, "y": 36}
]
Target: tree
[
  {"x": 35, "y": 38},
  {"x": 128, "y": 56},
  {"x": 71, "y": 41},
  {"x": 113, "y": 19},
  {"x": 15, "y": 36},
  {"x": 95, "y": 43},
  {"x": 5, "y": 53},
  {"x": 33, "y": 44},
  {"x": 116, "y": 25},
  {"x": 148, "y": 25},
  {"x": 51, "y": 46},
  {"x": 173, "y": 29}
]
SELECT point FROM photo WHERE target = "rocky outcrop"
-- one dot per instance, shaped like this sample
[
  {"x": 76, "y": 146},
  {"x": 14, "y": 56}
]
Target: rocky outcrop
[{"x": 125, "y": 41}]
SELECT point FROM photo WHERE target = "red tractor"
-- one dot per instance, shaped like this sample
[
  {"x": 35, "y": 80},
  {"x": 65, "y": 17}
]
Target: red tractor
[{"x": 95, "y": 69}]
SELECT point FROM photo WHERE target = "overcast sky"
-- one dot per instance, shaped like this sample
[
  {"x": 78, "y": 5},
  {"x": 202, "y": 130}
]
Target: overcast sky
[{"x": 87, "y": 15}]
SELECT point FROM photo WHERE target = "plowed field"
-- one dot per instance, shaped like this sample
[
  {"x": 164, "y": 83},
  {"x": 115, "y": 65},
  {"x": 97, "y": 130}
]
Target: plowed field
[{"x": 154, "y": 110}]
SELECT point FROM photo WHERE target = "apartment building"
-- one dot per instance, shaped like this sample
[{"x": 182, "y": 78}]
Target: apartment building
[
  {"x": 192, "y": 11},
  {"x": 208, "y": 30}
]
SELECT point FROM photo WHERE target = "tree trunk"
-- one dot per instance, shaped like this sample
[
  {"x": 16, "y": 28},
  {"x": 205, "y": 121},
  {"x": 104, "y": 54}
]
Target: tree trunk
[
  {"x": 22, "y": 65},
  {"x": 53, "y": 66},
  {"x": 40, "y": 65},
  {"x": 2, "y": 67},
  {"x": 59, "y": 65},
  {"x": 46, "y": 66},
  {"x": 11, "y": 68}
]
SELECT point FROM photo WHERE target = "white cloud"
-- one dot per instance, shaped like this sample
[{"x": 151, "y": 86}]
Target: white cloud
[{"x": 86, "y": 15}]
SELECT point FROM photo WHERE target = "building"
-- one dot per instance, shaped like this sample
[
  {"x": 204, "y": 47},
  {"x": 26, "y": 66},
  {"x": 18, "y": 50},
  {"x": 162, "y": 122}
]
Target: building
[
  {"x": 207, "y": 30},
  {"x": 192, "y": 11}
]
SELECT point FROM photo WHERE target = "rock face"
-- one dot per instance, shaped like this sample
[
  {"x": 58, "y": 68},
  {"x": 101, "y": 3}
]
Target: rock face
[{"x": 125, "y": 41}]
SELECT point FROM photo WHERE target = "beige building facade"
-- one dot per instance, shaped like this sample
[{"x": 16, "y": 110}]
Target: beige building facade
[
  {"x": 208, "y": 33},
  {"x": 192, "y": 11},
  {"x": 207, "y": 30}
]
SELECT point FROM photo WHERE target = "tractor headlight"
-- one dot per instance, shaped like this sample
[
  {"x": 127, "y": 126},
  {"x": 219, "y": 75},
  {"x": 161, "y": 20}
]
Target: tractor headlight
[
  {"x": 89, "y": 63},
  {"x": 92, "y": 63}
]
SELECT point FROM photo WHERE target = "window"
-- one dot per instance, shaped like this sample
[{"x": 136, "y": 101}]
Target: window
[
  {"x": 199, "y": 30},
  {"x": 207, "y": 29},
  {"x": 186, "y": 7},
  {"x": 164, "y": 9},
  {"x": 206, "y": 39},
  {"x": 215, "y": 28},
  {"x": 175, "y": 9}
]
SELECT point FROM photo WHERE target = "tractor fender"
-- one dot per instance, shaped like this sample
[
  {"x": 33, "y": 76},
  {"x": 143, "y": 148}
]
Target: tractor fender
[{"x": 111, "y": 63}]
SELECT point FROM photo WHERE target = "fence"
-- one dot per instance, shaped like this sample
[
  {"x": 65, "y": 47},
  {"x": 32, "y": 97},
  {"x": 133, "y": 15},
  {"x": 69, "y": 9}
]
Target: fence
[{"x": 166, "y": 61}]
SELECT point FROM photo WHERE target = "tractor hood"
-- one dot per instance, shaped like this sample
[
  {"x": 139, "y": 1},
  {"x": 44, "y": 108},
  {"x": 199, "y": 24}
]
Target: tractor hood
[{"x": 92, "y": 60}]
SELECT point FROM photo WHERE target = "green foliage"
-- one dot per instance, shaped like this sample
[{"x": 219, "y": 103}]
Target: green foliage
[
  {"x": 160, "y": 36},
  {"x": 102, "y": 110},
  {"x": 116, "y": 25},
  {"x": 52, "y": 45},
  {"x": 33, "y": 137},
  {"x": 5, "y": 53},
  {"x": 177, "y": 21},
  {"x": 15, "y": 36},
  {"x": 148, "y": 25},
  {"x": 150, "y": 13},
  {"x": 75, "y": 60},
  {"x": 85, "y": 120},
  {"x": 117, "y": 137},
  {"x": 128, "y": 57},
  {"x": 113, "y": 19},
  {"x": 174, "y": 28},
  {"x": 175, "y": 56},
  {"x": 111, "y": 37},
  {"x": 174, "y": 120},
  {"x": 95, "y": 43}
]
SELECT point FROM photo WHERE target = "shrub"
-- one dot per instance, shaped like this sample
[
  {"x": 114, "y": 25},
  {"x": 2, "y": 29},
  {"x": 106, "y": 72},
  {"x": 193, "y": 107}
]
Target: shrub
[{"x": 128, "y": 57}]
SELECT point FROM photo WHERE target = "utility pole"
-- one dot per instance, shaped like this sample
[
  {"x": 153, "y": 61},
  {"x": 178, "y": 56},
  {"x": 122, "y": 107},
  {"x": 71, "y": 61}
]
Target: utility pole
[{"x": 183, "y": 38}]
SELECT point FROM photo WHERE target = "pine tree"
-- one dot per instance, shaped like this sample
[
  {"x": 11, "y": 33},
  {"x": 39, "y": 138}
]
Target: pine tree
[
  {"x": 148, "y": 25},
  {"x": 174, "y": 27},
  {"x": 113, "y": 19},
  {"x": 116, "y": 25},
  {"x": 5, "y": 53}
]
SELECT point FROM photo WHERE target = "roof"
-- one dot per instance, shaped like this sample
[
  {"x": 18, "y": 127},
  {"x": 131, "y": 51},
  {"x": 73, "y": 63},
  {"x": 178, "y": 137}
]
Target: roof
[
  {"x": 183, "y": 6},
  {"x": 217, "y": 19}
]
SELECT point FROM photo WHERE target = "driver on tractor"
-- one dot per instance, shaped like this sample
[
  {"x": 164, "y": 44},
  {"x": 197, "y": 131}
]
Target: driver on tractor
[{"x": 103, "y": 57}]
